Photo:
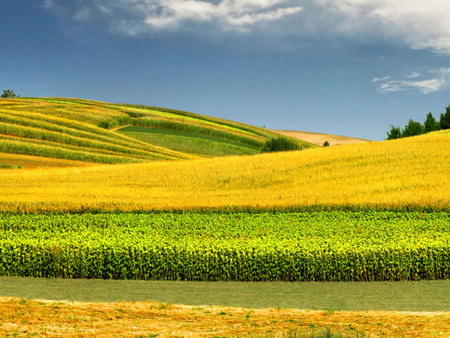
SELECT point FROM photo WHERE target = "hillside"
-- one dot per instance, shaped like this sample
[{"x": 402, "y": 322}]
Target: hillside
[
  {"x": 319, "y": 138},
  {"x": 410, "y": 172},
  {"x": 70, "y": 131}
]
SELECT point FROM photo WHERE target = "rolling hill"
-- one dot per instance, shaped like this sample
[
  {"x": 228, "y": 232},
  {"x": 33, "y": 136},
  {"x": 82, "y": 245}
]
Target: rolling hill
[
  {"x": 319, "y": 138},
  {"x": 71, "y": 132},
  {"x": 404, "y": 173}
]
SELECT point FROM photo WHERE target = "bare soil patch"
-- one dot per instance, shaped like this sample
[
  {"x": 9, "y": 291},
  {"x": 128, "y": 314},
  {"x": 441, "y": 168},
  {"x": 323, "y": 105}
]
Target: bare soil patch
[{"x": 319, "y": 139}]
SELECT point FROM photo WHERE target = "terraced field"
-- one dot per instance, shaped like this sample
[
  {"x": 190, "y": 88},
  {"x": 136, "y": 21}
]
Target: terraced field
[{"x": 97, "y": 132}]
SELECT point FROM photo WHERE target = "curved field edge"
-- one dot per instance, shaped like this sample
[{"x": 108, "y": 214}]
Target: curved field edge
[
  {"x": 313, "y": 246},
  {"x": 410, "y": 173},
  {"x": 43, "y": 317}
]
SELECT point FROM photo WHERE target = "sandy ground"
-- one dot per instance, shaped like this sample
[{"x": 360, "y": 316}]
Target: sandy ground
[
  {"x": 319, "y": 139},
  {"x": 21, "y": 317}
]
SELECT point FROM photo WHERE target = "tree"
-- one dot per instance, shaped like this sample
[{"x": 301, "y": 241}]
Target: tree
[
  {"x": 280, "y": 144},
  {"x": 394, "y": 133},
  {"x": 445, "y": 119},
  {"x": 326, "y": 144},
  {"x": 8, "y": 93},
  {"x": 413, "y": 128},
  {"x": 430, "y": 124}
]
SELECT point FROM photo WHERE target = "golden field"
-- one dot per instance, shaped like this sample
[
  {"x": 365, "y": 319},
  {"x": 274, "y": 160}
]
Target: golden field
[
  {"x": 77, "y": 319},
  {"x": 391, "y": 174}
]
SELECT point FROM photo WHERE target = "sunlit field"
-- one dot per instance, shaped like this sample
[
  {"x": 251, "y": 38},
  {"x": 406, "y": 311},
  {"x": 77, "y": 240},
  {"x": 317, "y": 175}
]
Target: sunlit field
[
  {"x": 95, "y": 190},
  {"x": 406, "y": 173},
  {"x": 91, "y": 132}
]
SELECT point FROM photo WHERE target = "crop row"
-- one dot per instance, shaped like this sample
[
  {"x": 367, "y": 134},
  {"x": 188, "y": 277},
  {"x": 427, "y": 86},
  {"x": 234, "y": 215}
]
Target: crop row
[
  {"x": 69, "y": 127},
  {"x": 62, "y": 151},
  {"x": 315, "y": 246},
  {"x": 171, "y": 124},
  {"x": 46, "y": 135}
]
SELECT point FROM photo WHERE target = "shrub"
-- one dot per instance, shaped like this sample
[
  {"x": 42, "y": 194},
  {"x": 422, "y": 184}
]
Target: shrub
[
  {"x": 280, "y": 144},
  {"x": 8, "y": 93}
]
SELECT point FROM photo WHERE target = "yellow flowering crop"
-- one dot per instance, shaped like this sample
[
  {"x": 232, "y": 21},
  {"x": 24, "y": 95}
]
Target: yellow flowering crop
[{"x": 392, "y": 174}]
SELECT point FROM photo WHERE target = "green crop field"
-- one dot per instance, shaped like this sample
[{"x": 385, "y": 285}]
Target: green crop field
[
  {"x": 189, "y": 142},
  {"x": 289, "y": 246}
]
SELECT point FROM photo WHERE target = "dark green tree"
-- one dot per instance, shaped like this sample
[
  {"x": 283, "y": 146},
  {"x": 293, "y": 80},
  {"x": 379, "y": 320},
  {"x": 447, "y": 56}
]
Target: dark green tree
[
  {"x": 8, "y": 93},
  {"x": 394, "y": 133},
  {"x": 326, "y": 144},
  {"x": 280, "y": 144},
  {"x": 430, "y": 124},
  {"x": 413, "y": 128},
  {"x": 445, "y": 119}
]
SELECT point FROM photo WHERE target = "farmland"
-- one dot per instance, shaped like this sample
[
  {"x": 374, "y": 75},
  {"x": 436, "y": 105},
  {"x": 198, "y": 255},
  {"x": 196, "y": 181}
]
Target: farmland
[
  {"x": 314, "y": 246},
  {"x": 91, "y": 132},
  {"x": 114, "y": 191},
  {"x": 409, "y": 173},
  {"x": 23, "y": 317}
]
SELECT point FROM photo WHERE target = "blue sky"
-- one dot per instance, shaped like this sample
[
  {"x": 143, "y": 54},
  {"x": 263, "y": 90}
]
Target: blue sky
[{"x": 348, "y": 67}]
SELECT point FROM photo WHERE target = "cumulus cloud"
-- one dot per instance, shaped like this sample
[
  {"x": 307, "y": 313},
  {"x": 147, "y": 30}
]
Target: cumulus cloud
[
  {"x": 228, "y": 14},
  {"x": 420, "y": 24},
  {"x": 138, "y": 16},
  {"x": 416, "y": 23},
  {"x": 436, "y": 81}
]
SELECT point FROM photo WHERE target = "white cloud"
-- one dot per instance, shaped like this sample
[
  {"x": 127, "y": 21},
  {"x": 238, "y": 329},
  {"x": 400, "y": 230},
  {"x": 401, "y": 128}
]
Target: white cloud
[
  {"x": 48, "y": 4},
  {"x": 414, "y": 75},
  {"x": 438, "y": 81},
  {"x": 82, "y": 14},
  {"x": 378, "y": 79},
  {"x": 103, "y": 9},
  {"x": 229, "y": 14},
  {"x": 418, "y": 24}
]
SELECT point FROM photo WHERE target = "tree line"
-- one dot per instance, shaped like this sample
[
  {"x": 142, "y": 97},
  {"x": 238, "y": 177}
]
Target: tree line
[{"x": 416, "y": 128}]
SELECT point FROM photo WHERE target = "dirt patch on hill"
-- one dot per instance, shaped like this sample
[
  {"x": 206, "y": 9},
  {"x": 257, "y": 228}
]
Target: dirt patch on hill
[{"x": 319, "y": 139}]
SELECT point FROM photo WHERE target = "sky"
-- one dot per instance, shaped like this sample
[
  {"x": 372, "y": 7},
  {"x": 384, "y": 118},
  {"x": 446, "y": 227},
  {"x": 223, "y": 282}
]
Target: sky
[{"x": 346, "y": 67}]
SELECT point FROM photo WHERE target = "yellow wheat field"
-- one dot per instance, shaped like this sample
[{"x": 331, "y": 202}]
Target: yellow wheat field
[{"x": 393, "y": 174}]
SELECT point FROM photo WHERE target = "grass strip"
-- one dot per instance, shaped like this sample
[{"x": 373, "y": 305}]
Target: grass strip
[{"x": 348, "y": 296}]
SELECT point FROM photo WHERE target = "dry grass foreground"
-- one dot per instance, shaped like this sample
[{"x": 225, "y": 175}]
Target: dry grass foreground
[
  {"x": 412, "y": 171},
  {"x": 319, "y": 139},
  {"x": 27, "y": 317}
]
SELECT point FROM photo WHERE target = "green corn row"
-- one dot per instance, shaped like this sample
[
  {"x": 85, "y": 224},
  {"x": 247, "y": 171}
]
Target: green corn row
[
  {"x": 191, "y": 128},
  {"x": 56, "y": 137},
  {"x": 112, "y": 261},
  {"x": 315, "y": 246},
  {"x": 29, "y": 148},
  {"x": 69, "y": 127}
]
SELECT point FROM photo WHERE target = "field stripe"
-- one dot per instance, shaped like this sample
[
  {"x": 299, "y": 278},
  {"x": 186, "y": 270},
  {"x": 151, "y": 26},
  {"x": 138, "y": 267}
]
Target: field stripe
[{"x": 349, "y": 296}]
